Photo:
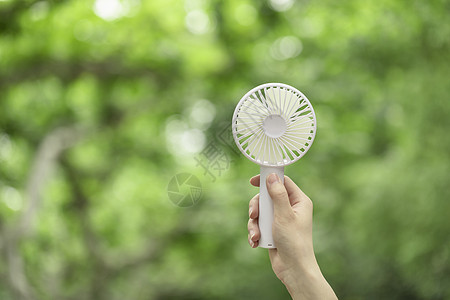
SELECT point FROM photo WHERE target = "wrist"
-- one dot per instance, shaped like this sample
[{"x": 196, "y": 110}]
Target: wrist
[
  {"x": 307, "y": 282},
  {"x": 303, "y": 272}
]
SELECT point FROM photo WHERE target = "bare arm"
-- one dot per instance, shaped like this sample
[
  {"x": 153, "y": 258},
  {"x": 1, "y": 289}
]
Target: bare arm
[{"x": 293, "y": 261}]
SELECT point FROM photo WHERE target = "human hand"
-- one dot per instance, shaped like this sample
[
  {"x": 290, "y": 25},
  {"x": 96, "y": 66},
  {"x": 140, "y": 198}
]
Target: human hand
[{"x": 293, "y": 261}]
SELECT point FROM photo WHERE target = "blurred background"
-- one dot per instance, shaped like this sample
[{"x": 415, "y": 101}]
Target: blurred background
[{"x": 103, "y": 102}]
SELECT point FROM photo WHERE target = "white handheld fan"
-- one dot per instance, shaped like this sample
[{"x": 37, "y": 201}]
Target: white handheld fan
[{"x": 273, "y": 125}]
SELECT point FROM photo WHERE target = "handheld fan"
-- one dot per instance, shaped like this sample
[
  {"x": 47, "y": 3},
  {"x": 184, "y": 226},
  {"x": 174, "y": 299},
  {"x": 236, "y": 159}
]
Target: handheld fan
[{"x": 273, "y": 125}]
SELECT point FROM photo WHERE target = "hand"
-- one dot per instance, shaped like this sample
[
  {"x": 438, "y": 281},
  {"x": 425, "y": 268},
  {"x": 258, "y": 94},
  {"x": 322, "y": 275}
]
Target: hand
[{"x": 293, "y": 261}]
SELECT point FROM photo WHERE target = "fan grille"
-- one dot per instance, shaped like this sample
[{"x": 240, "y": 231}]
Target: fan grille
[{"x": 258, "y": 127}]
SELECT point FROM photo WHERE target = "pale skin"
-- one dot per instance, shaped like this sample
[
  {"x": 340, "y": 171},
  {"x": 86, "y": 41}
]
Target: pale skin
[{"x": 293, "y": 261}]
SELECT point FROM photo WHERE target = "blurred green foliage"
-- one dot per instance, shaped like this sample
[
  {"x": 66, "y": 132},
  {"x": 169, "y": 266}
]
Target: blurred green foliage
[{"x": 102, "y": 103}]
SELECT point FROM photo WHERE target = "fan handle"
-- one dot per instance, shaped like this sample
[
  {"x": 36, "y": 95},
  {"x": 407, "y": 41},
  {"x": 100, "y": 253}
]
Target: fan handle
[{"x": 265, "y": 218}]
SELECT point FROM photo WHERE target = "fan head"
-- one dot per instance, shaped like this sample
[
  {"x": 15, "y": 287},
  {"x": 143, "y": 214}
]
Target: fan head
[{"x": 274, "y": 124}]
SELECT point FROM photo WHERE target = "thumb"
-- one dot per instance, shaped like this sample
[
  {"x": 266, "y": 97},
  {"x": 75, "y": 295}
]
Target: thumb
[{"x": 279, "y": 195}]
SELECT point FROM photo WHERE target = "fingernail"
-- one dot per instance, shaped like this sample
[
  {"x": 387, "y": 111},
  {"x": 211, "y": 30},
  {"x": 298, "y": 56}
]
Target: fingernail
[
  {"x": 252, "y": 234},
  {"x": 250, "y": 212},
  {"x": 273, "y": 178},
  {"x": 253, "y": 245}
]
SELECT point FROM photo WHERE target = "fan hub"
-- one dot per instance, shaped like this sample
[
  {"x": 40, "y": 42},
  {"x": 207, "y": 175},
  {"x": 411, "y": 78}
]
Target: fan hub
[{"x": 274, "y": 126}]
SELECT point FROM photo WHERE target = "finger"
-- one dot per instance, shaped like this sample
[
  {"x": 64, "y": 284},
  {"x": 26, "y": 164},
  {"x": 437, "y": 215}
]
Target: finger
[
  {"x": 295, "y": 194},
  {"x": 252, "y": 243},
  {"x": 254, "y": 180},
  {"x": 253, "y": 207},
  {"x": 279, "y": 195},
  {"x": 253, "y": 231}
]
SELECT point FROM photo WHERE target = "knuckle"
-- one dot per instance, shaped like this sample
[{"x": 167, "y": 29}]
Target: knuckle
[
  {"x": 253, "y": 201},
  {"x": 249, "y": 224}
]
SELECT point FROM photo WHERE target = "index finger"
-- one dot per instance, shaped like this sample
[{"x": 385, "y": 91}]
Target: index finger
[{"x": 253, "y": 212}]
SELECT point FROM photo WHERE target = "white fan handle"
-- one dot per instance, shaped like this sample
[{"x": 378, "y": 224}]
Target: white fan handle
[{"x": 265, "y": 218}]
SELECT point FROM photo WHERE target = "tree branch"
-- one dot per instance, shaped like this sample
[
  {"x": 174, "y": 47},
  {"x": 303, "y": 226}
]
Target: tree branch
[
  {"x": 49, "y": 149},
  {"x": 107, "y": 266},
  {"x": 69, "y": 71}
]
